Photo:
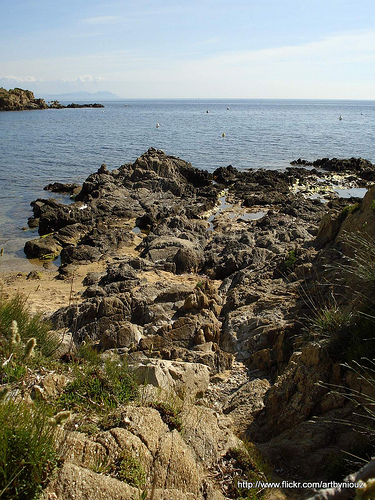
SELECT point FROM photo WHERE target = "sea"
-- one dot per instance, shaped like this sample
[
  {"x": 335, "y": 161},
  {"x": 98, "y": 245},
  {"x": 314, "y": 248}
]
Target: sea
[{"x": 42, "y": 146}]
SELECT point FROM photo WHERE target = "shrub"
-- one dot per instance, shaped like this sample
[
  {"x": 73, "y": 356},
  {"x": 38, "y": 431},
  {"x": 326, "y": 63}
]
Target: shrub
[{"x": 27, "y": 449}]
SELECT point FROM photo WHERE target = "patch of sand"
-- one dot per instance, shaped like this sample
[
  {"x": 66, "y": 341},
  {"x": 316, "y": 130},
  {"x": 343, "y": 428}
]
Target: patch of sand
[{"x": 47, "y": 294}]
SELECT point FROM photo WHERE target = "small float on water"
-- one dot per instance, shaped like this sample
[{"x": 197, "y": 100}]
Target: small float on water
[
  {"x": 340, "y": 118},
  {"x": 157, "y": 125}
]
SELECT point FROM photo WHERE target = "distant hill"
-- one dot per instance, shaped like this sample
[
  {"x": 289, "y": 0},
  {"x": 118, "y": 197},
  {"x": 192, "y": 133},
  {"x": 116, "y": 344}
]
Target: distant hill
[{"x": 83, "y": 96}]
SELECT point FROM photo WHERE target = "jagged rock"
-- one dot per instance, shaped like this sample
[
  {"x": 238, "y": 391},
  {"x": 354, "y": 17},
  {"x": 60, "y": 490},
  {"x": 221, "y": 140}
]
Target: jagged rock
[
  {"x": 78, "y": 483},
  {"x": 173, "y": 469},
  {"x": 363, "y": 168},
  {"x": 18, "y": 99},
  {"x": 122, "y": 334},
  {"x": 81, "y": 253},
  {"x": 187, "y": 379}
]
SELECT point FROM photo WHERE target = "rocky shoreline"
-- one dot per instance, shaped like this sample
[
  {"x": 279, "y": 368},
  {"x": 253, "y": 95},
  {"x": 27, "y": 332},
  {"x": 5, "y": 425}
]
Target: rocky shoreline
[
  {"x": 20, "y": 100},
  {"x": 203, "y": 287}
]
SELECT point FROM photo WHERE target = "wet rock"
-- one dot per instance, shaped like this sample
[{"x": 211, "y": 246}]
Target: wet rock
[
  {"x": 43, "y": 248},
  {"x": 65, "y": 188}
]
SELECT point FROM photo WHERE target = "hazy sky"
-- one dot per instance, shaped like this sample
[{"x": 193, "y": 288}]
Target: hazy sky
[{"x": 170, "y": 48}]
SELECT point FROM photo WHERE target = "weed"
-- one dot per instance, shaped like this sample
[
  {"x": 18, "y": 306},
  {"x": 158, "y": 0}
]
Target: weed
[
  {"x": 87, "y": 353},
  {"x": 289, "y": 262},
  {"x": 130, "y": 470},
  {"x": 360, "y": 266},
  {"x": 328, "y": 322},
  {"x": 27, "y": 449},
  {"x": 111, "y": 420},
  {"x": 99, "y": 388},
  {"x": 101, "y": 465},
  {"x": 28, "y": 326},
  {"x": 169, "y": 414}
]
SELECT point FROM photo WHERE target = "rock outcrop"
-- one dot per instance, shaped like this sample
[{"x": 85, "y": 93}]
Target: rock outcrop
[
  {"x": 18, "y": 100},
  {"x": 219, "y": 271}
]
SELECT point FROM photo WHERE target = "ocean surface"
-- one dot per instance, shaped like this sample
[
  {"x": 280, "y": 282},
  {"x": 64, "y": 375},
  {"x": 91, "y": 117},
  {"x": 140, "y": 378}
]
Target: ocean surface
[{"x": 39, "y": 147}]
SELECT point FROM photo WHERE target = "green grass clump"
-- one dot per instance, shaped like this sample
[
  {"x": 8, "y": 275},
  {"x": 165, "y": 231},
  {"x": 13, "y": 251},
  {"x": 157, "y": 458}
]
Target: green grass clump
[
  {"x": 99, "y": 388},
  {"x": 328, "y": 322},
  {"x": 27, "y": 450},
  {"x": 25, "y": 340},
  {"x": 289, "y": 262},
  {"x": 130, "y": 470},
  {"x": 360, "y": 265},
  {"x": 29, "y": 326},
  {"x": 169, "y": 414}
]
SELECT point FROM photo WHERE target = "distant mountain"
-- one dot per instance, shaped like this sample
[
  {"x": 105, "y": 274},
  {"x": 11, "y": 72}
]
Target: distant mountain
[{"x": 83, "y": 96}]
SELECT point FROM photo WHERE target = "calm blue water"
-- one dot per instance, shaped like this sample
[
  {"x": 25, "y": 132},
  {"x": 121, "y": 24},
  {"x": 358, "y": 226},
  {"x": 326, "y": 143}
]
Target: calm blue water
[{"x": 38, "y": 147}]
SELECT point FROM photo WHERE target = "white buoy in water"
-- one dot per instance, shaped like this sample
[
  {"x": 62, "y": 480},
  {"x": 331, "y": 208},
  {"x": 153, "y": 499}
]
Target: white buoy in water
[
  {"x": 223, "y": 134},
  {"x": 157, "y": 125},
  {"x": 228, "y": 107},
  {"x": 340, "y": 118},
  {"x": 207, "y": 111}
]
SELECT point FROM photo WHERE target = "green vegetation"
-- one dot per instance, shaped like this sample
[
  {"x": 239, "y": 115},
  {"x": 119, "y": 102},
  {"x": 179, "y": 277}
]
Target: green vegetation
[
  {"x": 360, "y": 266},
  {"x": 200, "y": 284},
  {"x": 27, "y": 449},
  {"x": 289, "y": 262},
  {"x": 130, "y": 470},
  {"x": 328, "y": 322},
  {"x": 27, "y": 442},
  {"x": 349, "y": 209},
  {"x": 99, "y": 388},
  {"x": 169, "y": 413},
  {"x": 15, "y": 309},
  {"x": 25, "y": 340},
  {"x": 348, "y": 328}
]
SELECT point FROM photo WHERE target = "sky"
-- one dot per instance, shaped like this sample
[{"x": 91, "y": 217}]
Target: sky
[{"x": 302, "y": 49}]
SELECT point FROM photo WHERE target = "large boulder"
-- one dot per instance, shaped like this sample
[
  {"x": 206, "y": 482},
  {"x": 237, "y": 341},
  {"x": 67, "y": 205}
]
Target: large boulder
[
  {"x": 43, "y": 248},
  {"x": 185, "y": 379}
]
